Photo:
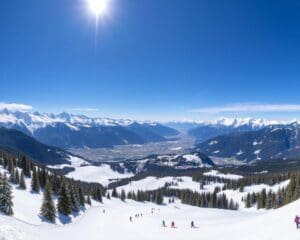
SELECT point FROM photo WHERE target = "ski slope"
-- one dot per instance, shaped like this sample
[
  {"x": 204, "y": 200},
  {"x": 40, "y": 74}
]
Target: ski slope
[{"x": 114, "y": 224}]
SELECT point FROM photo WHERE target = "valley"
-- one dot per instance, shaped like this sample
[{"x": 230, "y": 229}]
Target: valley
[{"x": 182, "y": 144}]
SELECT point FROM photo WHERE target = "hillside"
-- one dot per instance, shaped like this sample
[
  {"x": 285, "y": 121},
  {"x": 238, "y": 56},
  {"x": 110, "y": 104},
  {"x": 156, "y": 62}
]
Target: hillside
[
  {"x": 272, "y": 142},
  {"x": 19, "y": 143}
]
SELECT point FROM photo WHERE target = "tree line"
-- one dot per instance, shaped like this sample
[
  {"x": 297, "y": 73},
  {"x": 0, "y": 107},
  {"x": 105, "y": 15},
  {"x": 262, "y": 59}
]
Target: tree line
[{"x": 72, "y": 195}]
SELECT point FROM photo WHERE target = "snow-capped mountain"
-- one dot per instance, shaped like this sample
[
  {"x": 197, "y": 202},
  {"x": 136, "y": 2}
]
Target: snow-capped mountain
[
  {"x": 271, "y": 142},
  {"x": 36, "y": 120},
  {"x": 206, "y": 130},
  {"x": 69, "y": 130}
]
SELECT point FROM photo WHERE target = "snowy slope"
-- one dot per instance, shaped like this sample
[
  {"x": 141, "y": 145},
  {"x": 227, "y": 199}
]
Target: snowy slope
[
  {"x": 102, "y": 174},
  {"x": 115, "y": 224}
]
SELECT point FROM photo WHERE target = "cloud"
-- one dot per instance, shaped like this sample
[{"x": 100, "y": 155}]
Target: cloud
[
  {"x": 249, "y": 107},
  {"x": 15, "y": 106},
  {"x": 84, "y": 109}
]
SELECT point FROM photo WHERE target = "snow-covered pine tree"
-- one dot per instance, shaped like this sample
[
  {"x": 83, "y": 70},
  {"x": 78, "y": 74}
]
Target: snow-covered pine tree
[
  {"x": 248, "y": 201},
  {"x": 64, "y": 204},
  {"x": 114, "y": 193},
  {"x": 22, "y": 181},
  {"x": 159, "y": 198},
  {"x": 48, "y": 209},
  {"x": 74, "y": 199},
  {"x": 35, "y": 183},
  {"x": 108, "y": 195},
  {"x": 123, "y": 195},
  {"x": 6, "y": 202},
  {"x": 81, "y": 196},
  {"x": 17, "y": 177}
]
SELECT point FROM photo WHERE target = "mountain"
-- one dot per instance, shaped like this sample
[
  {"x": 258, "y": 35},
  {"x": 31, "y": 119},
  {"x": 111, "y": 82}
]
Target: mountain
[
  {"x": 19, "y": 143},
  {"x": 76, "y": 131},
  {"x": 272, "y": 142},
  {"x": 207, "y": 130}
]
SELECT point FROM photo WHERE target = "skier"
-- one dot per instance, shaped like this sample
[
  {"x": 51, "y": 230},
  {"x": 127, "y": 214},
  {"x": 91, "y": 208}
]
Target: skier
[
  {"x": 163, "y": 224},
  {"x": 192, "y": 224},
  {"x": 103, "y": 211},
  {"x": 130, "y": 219},
  {"x": 297, "y": 221},
  {"x": 173, "y": 224}
]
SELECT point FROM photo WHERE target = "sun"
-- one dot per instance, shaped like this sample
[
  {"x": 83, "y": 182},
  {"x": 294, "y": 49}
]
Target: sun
[{"x": 98, "y": 7}]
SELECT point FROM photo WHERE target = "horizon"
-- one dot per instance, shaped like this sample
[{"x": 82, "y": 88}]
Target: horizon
[
  {"x": 160, "y": 61},
  {"x": 27, "y": 109}
]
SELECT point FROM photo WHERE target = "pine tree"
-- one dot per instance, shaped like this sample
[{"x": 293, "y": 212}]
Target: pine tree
[
  {"x": 114, "y": 193},
  {"x": 99, "y": 195},
  {"x": 123, "y": 195},
  {"x": 108, "y": 195},
  {"x": 6, "y": 203},
  {"x": 35, "y": 183},
  {"x": 81, "y": 196},
  {"x": 74, "y": 199},
  {"x": 17, "y": 177},
  {"x": 269, "y": 200},
  {"x": 248, "y": 201},
  {"x": 290, "y": 190},
  {"x": 64, "y": 204},
  {"x": 159, "y": 198},
  {"x": 48, "y": 209},
  {"x": 22, "y": 181}
]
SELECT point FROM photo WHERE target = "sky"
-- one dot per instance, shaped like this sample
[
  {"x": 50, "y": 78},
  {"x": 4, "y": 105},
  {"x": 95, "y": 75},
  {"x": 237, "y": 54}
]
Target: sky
[{"x": 152, "y": 59}]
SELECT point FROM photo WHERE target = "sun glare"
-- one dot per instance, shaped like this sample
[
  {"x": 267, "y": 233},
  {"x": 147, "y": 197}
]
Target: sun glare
[{"x": 98, "y": 7}]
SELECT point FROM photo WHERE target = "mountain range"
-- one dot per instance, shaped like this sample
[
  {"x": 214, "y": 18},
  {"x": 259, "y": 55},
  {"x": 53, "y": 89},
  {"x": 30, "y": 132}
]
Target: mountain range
[
  {"x": 271, "y": 142},
  {"x": 75, "y": 131},
  {"x": 203, "y": 131}
]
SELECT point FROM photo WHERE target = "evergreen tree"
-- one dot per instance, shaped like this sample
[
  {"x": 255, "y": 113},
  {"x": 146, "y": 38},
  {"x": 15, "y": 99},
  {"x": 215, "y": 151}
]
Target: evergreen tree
[
  {"x": 48, "y": 209},
  {"x": 35, "y": 183},
  {"x": 114, "y": 193},
  {"x": 123, "y": 195},
  {"x": 108, "y": 195},
  {"x": 17, "y": 177},
  {"x": 159, "y": 198},
  {"x": 99, "y": 195},
  {"x": 81, "y": 196},
  {"x": 64, "y": 204},
  {"x": 22, "y": 181},
  {"x": 6, "y": 202},
  {"x": 74, "y": 199}
]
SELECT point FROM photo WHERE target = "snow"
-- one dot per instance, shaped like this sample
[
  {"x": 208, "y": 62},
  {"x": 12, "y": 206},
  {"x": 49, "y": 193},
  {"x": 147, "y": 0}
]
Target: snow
[
  {"x": 74, "y": 161},
  {"x": 257, "y": 152},
  {"x": 114, "y": 224},
  {"x": 216, "y": 173},
  {"x": 257, "y": 143},
  {"x": 240, "y": 152},
  {"x": 33, "y": 121},
  {"x": 276, "y": 129},
  {"x": 102, "y": 174},
  {"x": 152, "y": 183},
  {"x": 213, "y": 142},
  {"x": 192, "y": 158}
]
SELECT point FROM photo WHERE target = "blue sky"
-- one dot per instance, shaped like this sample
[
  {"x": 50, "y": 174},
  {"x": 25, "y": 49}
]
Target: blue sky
[{"x": 161, "y": 59}]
